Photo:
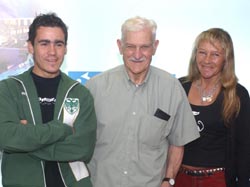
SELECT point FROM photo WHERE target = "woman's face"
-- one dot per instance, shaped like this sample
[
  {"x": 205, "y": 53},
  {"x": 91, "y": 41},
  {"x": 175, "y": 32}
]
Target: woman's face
[{"x": 210, "y": 59}]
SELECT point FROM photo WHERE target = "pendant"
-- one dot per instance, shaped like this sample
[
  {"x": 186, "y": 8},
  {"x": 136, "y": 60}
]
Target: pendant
[{"x": 208, "y": 98}]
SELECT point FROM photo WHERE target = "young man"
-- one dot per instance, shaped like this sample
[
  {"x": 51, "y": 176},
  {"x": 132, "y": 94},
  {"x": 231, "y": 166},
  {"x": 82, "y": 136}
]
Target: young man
[
  {"x": 143, "y": 116},
  {"x": 47, "y": 120}
]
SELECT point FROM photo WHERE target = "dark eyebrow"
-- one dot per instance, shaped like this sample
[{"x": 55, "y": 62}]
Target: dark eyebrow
[{"x": 49, "y": 41}]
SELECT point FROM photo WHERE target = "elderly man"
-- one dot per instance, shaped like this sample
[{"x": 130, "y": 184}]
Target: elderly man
[{"x": 143, "y": 116}]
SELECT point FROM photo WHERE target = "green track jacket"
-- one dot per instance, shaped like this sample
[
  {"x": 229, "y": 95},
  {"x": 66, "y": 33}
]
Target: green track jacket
[{"x": 26, "y": 147}]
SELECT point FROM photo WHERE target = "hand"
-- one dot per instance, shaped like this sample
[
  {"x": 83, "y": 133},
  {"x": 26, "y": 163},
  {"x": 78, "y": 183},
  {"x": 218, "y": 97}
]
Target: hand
[
  {"x": 23, "y": 121},
  {"x": 73, "y": 129},
  {"x": 165, "y": 184}
]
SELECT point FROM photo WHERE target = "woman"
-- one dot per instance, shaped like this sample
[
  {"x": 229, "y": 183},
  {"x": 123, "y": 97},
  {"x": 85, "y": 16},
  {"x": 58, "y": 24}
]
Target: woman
[{"x": 221, "y": 106}]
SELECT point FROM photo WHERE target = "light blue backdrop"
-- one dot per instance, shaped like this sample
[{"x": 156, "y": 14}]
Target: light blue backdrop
[{"x": 94, "y": 27}]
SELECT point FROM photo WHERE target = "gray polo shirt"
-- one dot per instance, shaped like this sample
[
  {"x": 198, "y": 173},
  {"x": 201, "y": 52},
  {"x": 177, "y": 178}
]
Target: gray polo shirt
[{"x": 132, "y": 135}]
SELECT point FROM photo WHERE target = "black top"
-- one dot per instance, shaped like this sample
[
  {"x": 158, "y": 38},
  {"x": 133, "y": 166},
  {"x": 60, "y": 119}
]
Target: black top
[
  {"x": 210, "y": 149},
  {"x": 47, "y": 90},
  {"x": 237, "y": 148}
]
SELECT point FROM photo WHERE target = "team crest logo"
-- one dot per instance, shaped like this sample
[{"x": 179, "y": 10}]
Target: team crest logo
[{"x": 72, "y": 105}]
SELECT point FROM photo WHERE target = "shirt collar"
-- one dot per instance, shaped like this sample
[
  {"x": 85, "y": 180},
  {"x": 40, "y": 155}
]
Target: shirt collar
[{"x": 129, "y": 84}]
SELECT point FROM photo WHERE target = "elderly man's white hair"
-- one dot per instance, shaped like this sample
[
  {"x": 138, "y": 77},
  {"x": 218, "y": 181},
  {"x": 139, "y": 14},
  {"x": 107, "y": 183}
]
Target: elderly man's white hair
[{"x": 138, "y": 23}]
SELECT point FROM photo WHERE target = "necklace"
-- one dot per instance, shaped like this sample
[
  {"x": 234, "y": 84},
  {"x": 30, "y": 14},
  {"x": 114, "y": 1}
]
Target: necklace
[{"x": 206, "y": 96}]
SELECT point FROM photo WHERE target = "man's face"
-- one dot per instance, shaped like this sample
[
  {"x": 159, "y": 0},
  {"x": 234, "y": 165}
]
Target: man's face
[
  {"x": 48, "y": 51},
  {"x": 137, "y": 50}
]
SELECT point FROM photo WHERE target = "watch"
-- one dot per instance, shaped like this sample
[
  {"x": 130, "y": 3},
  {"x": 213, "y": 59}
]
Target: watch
[{"x": 169, "y": 180}]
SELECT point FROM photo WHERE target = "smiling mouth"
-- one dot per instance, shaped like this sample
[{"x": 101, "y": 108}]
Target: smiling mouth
[
  {"x": 51, "y": 60},
  {"x": 137, "y": 61},
  {"x": 206, "y": 67}
]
